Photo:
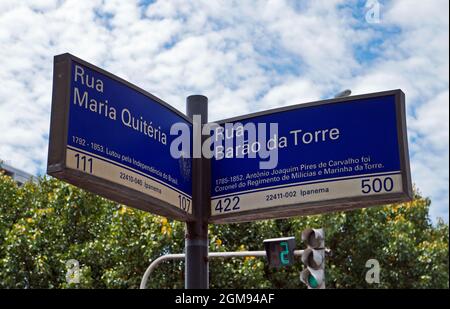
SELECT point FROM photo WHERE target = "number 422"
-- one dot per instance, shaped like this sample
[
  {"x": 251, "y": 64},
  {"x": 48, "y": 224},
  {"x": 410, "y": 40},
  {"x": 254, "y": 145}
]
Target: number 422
[{"x": 228, "y": 204}]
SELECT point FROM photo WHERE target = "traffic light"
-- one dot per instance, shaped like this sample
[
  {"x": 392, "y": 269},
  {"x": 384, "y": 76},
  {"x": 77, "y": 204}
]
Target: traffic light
[
  {"x": 314, "y": 259},
  {"x": 280, "y": 251}
]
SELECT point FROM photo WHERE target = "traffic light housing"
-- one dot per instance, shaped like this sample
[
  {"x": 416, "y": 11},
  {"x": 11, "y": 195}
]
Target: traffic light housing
[
  {"x": 280, "y": 251},
  {"x": 314, "y": 259}
]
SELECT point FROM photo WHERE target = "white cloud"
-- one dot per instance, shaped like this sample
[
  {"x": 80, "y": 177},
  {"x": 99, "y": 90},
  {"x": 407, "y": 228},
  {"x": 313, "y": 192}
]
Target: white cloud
[
  {"x": 416, "y": 60},
  {"x": 292, "y": 92},
  {"x": 245, "y": 56},
  {"x": 431, "y": 151},
  {"x": 417, "y": 14}
]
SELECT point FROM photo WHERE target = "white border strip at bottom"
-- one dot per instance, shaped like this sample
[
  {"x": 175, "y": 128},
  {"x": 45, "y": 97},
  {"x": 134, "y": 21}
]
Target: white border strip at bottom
[
  {"x": 125, "y": 177},
  {"x": 307, "y": 193}
]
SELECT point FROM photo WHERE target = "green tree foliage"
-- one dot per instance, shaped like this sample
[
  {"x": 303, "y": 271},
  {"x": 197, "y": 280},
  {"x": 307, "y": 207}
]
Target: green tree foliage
[{"x": 44, "y": 225}]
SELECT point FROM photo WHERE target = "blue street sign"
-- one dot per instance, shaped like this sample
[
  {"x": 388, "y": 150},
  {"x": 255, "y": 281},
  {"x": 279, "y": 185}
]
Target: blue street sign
[
  {"x": 325, "y": 156},
  {"x": 115, "y": 140}
]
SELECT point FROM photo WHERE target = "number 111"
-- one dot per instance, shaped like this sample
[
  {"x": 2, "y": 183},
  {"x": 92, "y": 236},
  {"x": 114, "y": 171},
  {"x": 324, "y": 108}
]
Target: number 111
[{"x": 81, "y": 163}]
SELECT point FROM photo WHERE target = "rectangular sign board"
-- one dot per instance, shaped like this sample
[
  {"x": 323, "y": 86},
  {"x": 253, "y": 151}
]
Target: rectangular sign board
[
  {"x": 113, "y": 138},
  {"x": 332, "y": 155}
]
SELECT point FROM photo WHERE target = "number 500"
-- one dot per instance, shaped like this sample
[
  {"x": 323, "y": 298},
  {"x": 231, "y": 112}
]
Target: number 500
[{"x": 377, "y": 185}]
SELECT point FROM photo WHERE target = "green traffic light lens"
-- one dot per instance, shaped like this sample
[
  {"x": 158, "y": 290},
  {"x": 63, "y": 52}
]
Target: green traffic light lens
[
  {"x": 284, "y": 254},
  {"x": 312, "y": 282}
]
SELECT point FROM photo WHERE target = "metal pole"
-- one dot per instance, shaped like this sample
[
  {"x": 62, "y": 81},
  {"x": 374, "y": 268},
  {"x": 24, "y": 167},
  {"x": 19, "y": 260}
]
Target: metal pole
[
  {"x": 181, "y": 256},
  {"x": 196, "y": 242}
]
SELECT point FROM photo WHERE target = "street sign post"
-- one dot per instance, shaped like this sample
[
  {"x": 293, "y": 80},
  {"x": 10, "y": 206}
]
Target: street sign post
[
  {"x": 196, "y": 237},
  {"x": 331, "y": 155},
  {"x": 113, "y": 138}
]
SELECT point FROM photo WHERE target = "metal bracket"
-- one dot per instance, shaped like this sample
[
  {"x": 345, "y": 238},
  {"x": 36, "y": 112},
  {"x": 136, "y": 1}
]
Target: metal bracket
[{"x": 180, "y": 256}]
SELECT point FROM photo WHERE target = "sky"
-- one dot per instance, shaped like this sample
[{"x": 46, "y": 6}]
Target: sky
[{"x": 245, "y": 56}]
